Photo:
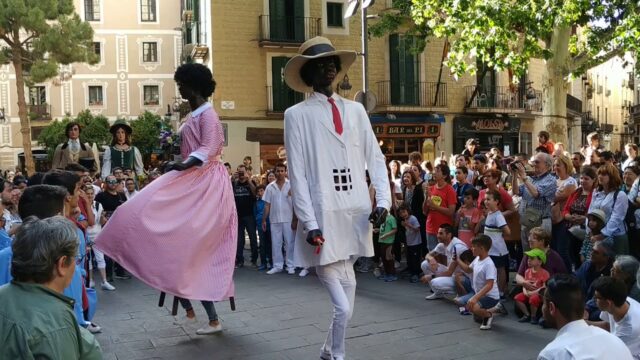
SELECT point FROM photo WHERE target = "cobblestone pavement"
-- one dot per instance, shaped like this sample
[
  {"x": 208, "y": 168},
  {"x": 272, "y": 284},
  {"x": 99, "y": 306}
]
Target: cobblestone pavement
[{"x": 285, "y": 317}]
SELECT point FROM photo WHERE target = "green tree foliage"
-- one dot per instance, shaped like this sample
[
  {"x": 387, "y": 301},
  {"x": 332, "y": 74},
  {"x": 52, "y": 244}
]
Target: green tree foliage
[
  {"x": 36, "y": 36},
  {"x": 95, "y": 130},
  {"x": 570, "y": 35},
  {"x": 146, "y": 133}
]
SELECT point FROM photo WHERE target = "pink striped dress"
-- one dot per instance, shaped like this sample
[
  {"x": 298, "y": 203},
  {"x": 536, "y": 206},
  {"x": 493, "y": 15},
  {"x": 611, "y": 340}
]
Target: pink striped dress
[{"x": 178, "y": 234}]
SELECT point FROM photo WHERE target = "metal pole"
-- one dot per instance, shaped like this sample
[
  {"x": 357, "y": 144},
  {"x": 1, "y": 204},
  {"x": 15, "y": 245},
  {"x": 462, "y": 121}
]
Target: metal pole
[{"x": 365, "y": 73}]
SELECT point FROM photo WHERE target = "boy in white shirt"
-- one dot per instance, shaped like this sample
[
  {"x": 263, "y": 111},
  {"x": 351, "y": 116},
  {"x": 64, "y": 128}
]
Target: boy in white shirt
[
  {"x": 485, "y": 293},
  {"x": 620, "y": 314},
  {"x": 495, "y": 226}
]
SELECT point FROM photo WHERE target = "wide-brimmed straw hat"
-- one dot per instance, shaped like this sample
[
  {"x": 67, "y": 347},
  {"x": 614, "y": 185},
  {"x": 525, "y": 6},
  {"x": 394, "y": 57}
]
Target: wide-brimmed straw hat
[{"x": 315, "y": 48}]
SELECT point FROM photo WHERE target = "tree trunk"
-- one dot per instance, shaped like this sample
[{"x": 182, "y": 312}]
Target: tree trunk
[
  {"x": 25, "y": 123},
  {"x": 554, "y": 87}
]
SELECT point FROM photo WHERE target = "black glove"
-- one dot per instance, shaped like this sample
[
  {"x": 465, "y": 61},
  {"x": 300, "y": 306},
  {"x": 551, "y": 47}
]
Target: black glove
[
  {"x": 314, "y": 237},
  {"x": 180, "y": 166},
  {"x": 378, "y": 216}
]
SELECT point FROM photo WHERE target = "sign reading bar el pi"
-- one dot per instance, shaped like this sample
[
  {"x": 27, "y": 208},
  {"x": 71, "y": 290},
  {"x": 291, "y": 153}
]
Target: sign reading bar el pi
[{"x": 353, "y": 5}]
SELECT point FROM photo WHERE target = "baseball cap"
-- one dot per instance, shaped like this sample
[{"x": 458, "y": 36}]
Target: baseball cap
[{"x": 537, "y": 253}]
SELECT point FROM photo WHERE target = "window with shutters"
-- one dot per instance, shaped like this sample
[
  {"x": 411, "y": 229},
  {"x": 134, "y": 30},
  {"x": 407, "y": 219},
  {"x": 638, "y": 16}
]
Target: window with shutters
[
  {"x": 95, "y": 96},
  {"x": 282, "y": 96},
  {"x": 97, "y": 49},
  {"x": 286, "y": 20},
  {"x": 150, "y": 52},
  {"x": 151, "y": 95},
  {"x": 148, "y": 11},
  {"x": 37, "y": 95},
  {"x": 92, "y": 10},
  {"x": 486, "y": 81},
  {"x": 334, "y": 14},
  {"x": 404, "y": 70}
]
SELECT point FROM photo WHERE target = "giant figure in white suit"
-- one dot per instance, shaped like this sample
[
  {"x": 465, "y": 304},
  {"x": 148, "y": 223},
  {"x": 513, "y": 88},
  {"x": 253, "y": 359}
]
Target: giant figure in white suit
[{"x": 330, "y": 144}]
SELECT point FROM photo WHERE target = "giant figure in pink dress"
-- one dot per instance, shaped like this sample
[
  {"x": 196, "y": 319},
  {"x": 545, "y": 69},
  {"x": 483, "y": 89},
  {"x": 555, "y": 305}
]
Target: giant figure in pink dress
[{"x": 178, "y": 234}]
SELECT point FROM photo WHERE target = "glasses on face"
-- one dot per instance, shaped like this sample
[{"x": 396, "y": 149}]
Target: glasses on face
[{"x": 112, "y": 182}]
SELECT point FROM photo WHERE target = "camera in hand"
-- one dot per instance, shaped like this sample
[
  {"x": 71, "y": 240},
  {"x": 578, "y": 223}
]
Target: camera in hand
[{"x": 513, "y": 166}]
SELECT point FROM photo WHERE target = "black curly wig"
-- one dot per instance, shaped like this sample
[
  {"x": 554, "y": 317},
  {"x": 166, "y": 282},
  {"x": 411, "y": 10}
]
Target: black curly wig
[{"x": 197, "y": 77}]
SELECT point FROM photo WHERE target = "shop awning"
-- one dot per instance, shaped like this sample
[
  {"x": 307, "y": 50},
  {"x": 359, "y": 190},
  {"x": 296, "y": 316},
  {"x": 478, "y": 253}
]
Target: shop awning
[{"x": 408, "y": 118}]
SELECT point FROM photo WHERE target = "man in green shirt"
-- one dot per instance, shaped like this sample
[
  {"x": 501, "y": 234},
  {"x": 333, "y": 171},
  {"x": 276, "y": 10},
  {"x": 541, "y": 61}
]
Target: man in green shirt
[{"x": 36, "y": 319}]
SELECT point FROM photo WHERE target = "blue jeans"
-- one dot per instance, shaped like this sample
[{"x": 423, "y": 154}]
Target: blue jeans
[
  {"x": 432, "y": 241},
  {"x": 207, "y": 305},
  {"x": 485, "y": 302},
  {"x": 248, "y": 223}
]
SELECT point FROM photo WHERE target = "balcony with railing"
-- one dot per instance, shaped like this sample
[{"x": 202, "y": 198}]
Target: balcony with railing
[
  {"x": 279, "y": 99},
  {"x": 502, "y": 99},
  {"x": 287, "y": 31},
  {"x": 410, "y": 96},
  {"x": 41, "y": 112}
]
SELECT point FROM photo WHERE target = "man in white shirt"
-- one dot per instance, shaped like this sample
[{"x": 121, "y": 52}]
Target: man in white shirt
[
  {"x": 279, "y": 210},
  {"x": 130, "y": 188},
  {"x": 563, "y": 308},
  {"x": 330, "y": 144},
  {"x": 620, "y": 314},
  {"x": 442, "y": 280}
]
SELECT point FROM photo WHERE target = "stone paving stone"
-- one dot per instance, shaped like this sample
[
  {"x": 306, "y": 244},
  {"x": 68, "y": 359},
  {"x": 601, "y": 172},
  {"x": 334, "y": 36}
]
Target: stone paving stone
[{"x": 286, "y": 318}]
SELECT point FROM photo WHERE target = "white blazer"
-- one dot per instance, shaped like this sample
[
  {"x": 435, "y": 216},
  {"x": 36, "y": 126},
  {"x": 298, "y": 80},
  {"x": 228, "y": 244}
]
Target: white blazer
[{"x": 328, "y": 183}]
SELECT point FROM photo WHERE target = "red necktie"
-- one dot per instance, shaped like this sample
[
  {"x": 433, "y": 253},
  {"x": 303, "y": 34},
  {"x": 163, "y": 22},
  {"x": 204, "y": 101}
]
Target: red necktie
[{"x": 337, "y": 122}]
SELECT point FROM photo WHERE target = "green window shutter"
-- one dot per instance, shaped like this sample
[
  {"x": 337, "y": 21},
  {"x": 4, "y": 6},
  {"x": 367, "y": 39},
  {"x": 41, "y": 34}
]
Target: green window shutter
[
  {"x": 334, "y": 14},
  {"x": 405, "y": 71},
  {"x": 394, "y": 68},
  {"x": 298, "y": 21},
  {"x": 283, "y": 96},
  {"x": 411, "y": 72},
  {"x": 277, "y": 20},
  {"x": 487, "y": 86}
]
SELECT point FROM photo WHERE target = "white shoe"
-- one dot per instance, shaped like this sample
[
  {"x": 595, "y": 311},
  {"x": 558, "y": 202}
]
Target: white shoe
[
  {"x": 185, "y": 321},
  {"x": 433, "y": 296},
  {"x": 208, "y": 329},
  {"x": 292, "y": 271},
  {"x": 303, "y": 273},
  {"x": 93, "y": 328},
  {"x": 274, "y": 271},
  {"x": 108, "y": 287},
  {"x": 92, "y": 284}
]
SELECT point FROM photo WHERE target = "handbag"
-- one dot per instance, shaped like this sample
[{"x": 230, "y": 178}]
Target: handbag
[
  {"x": 578, "y": 231},
  {"x": 532, "y": 218}
]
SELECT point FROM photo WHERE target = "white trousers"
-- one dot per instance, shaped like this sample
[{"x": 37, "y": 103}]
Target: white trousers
[
  {"x": 281, "y": 232},
  {"x": 340, "y": 281},
  {"x": 99, "y": 259},
  {"x": 439, "y": 285}
]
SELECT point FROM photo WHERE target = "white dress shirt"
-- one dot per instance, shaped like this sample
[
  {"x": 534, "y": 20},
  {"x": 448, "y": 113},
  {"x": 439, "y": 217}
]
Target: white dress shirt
[
  {"x": 577, "y": 340},
  {"x": 281, "y": 208}
]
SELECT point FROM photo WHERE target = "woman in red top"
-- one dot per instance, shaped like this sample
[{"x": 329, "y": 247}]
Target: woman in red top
[
  {"x": 439, "y": 205},
  {"x": 491, "y": 180},
  {"x": 575, "y": 212}
]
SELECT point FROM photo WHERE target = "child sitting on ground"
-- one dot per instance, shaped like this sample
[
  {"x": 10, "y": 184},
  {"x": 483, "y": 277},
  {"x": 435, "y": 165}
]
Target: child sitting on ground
[
  {"x": 536, "y": 276},
  {"x": 468, "y": 217},
  {"x": 387, "y": 231},
  {"x": 485, "y": 293},
  {"x": 462, "y": 280}
]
